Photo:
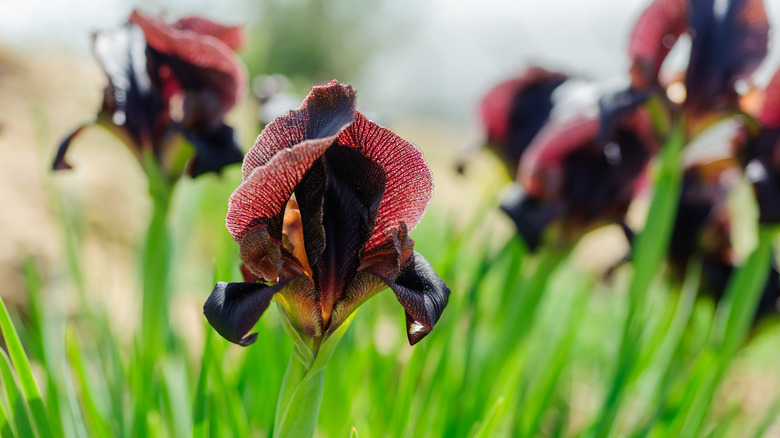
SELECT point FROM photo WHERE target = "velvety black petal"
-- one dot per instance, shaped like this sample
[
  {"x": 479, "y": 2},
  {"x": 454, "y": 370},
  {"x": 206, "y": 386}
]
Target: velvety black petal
[
  {"x": 762, "y": 168},
  {"x": 355, "y": 187},
  {"x": 129, "y": 101},
  {"x": 234, "y": 308},
  {"x": 213, "y": 150},
  {"x": 309, "y": 194},
  {"x": 59, "y": 161},
  {"x": 725, "y": 48},
  {"x": 766, "y": 186},
  {"x": 531, "y": 216},
  {"x": 530, "y": 111},
  {"x": 423, "y": 295},
  {"x": 614, "y": 108}
]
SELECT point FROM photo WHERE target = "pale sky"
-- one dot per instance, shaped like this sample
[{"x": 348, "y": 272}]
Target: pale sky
[{"x": 451, "y": 53}]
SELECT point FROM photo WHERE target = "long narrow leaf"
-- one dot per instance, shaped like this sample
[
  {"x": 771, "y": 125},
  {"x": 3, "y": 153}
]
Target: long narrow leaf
[{"x": 29, "y": 388}]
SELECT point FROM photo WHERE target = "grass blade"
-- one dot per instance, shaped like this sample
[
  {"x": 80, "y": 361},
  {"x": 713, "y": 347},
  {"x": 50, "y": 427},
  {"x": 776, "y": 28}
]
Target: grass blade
[
  {"x": 18, "y": 409},
  {"x": 29, "y": 388}
]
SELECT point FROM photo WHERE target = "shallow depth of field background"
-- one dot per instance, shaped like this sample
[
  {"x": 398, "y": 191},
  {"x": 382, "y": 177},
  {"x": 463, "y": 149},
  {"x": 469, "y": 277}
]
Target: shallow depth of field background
[{"x": 420, "y": 69}]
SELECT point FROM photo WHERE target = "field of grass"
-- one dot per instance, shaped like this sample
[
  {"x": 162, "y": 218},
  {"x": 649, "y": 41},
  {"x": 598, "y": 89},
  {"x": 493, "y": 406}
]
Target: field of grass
[{"x": 529, "y": 345}]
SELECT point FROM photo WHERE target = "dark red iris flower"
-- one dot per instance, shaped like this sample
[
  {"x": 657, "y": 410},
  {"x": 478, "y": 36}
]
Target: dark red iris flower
[
  {"x": 759, "y": 151},
  {"x": 514, "y": 111},
  {"x": 702, "y": 230},
  {"x": 322, "y": 218},
  {"x": 728, "y": 42},
  {"x": 169, "y": 82},
  {"x": 582, "y": 173}
]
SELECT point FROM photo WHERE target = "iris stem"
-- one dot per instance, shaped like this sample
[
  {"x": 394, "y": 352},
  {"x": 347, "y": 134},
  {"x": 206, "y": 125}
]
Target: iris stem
[
  {"x": 301, "y": 393},
  {"x": 155, "y": 273},
  {"x": 299, "y": 399}
]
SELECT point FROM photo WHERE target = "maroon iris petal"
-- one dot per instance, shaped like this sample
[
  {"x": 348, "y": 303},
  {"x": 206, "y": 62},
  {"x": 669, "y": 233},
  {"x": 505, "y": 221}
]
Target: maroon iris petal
[
  {"x": 218, "y": 67},
  {"x": 326, "y": 111},
  {"x": 584, "y": 171},
  {"x": 234, "y": 308},
  {"x": 514, "y": 111},
  {"x": 233, "y": 36},
  {"x": 541, "y": 169},
  {"x": 726, "y": 46},
  {"x": 423, "y": 295},
  {"x": 409, "y": 182},
  {"x": 769, "y": 115},
  {"x": 653, "y": 36},
  {"x": 284, "y": 152}
]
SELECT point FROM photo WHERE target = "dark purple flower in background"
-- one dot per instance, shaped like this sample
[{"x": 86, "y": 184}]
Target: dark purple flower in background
[
  {"x": 728, "y": 42},
  {"x": 702, "y": 231},
  {"x": 581, "y": 173},
  {"x": 514, "y": 111},
  {"x": 322, "y": 219},
  {"x": 759, "y": 152},
  {"x": 168, "y": 83}
]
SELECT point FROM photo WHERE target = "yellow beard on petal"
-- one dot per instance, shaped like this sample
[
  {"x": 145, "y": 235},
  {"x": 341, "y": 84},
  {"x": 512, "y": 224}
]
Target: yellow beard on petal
[{"x": 292, "y": 230}]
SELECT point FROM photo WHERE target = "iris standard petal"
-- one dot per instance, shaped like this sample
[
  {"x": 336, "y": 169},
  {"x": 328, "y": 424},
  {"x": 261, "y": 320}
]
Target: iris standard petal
[
  {"x": 653, "y": 36},
  {"x": 769, "y": 114},
  {"x": 234, "y": 308},
  {"x": 326, "y": 111},
  {"x": 514, "y": 111},
  {"x": 129, "y": 103},
  {"x": 209, "y": 63},
  {"x": 264, "y": 193},
  {"x": 726, "y": 46},
  {"x": 409, "y": 182},
  {"x": 422, "y": 294},
  {"x": 233, "y": 36}
]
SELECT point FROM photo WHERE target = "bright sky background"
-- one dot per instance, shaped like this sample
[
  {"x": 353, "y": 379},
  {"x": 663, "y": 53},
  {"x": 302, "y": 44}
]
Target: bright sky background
[{"x": 449, "y": 55}]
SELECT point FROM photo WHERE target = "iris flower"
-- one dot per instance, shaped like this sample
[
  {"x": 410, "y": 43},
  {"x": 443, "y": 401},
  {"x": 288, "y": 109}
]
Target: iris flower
[
  {"x": 582, "y": 173},
  {"x": 168, "y": 83},
  {"x": 515, "y": 110},
  {"x": 323, "y": 219},
  {"x": 728, "y": 42},
  {"x": 702, "y": 230}
]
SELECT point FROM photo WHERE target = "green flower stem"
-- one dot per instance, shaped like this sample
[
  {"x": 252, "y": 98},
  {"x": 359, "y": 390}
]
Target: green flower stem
[
  {"x": 155, "y": 272},
  {"x": 301, "y": 393},
  {"x": 299, "y": 399}
]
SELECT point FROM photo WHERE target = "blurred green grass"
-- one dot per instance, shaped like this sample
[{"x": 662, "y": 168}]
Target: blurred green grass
[{"x": 529, "y": 346}]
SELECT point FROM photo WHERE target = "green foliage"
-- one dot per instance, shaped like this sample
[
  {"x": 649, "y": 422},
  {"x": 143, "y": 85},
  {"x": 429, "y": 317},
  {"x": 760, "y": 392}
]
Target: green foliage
[{"x": 524, "y": 340}]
